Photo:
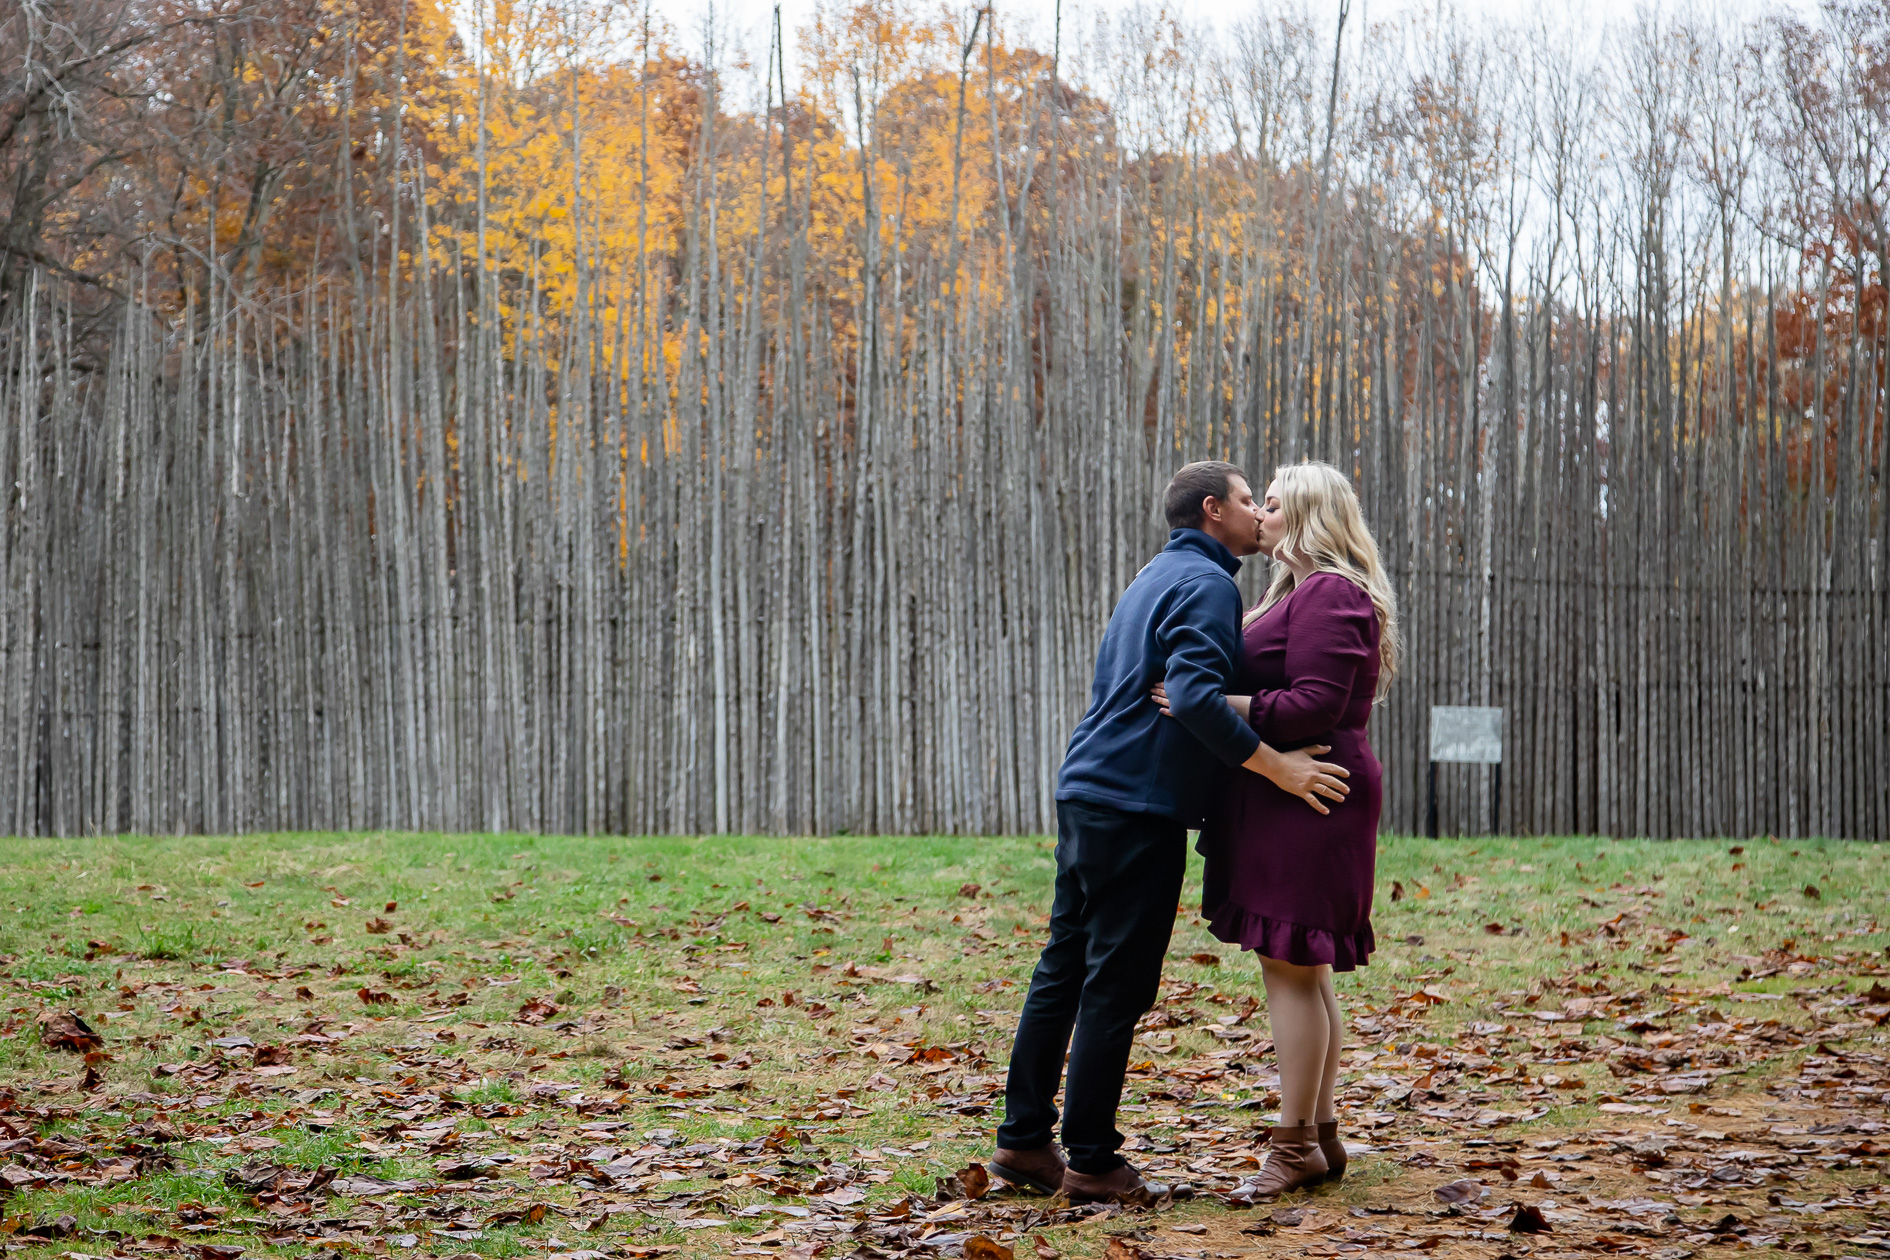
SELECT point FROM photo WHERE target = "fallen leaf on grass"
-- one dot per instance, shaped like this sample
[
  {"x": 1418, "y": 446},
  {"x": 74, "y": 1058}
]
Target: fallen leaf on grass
[
  {"x": 275, "y": 1186},
  {"x": 360, "y": 1186},
  {"x": 1529, "y": 1220},
  {"x": 67, "y": 1030},
  {"x": 378, "y": 926},
  {"x": 1205, "y": 960},
  {"x": 969, "y": 1182},
  {"x": 1465, "y": 1191},
  {"x": 1119, "y": 1248},
  {"x": 373, "y": 997},
  {"x": 978, "y": 1247},
  {"x": 468, "y": 1170},
  {"x": 14, "y": 1177},
  {"x": 42, "y": 1231},
  {"x": 537, "y": 1011}
]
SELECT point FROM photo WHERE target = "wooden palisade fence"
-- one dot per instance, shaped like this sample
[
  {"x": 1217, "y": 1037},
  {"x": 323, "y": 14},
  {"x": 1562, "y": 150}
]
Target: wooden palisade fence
[{"x": 789, "y": 529}]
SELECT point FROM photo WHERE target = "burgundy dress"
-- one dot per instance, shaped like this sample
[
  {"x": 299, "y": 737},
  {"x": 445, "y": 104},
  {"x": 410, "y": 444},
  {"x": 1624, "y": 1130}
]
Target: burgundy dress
[{"x": 1281, "y": 879}]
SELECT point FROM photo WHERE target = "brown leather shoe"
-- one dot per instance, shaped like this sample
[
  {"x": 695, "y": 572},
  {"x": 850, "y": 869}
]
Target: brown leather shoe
[
  {"x": 1293, "y": 1163},
  {"x": 1040, "y": 1170},
  {"x": 1123, "y": 1185},
  {"x": 1333, "y": 1149}
]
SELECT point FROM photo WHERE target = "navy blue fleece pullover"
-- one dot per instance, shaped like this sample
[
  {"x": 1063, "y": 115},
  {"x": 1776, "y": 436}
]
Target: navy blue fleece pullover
[{"x": 1179, "y": 621}]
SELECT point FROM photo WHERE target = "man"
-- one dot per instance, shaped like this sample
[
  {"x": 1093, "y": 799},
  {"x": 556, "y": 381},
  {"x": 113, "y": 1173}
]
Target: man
[{"x": 1132, "y": 784}]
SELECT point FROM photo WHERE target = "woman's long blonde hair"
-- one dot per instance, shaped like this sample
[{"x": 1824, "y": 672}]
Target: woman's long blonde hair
[{"x": 1326, "y": 529}]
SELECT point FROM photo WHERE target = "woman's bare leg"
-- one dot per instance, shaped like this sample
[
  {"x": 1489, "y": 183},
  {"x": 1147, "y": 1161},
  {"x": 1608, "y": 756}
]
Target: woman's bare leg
[
  {"x": 1302, "y": 1029},
  {"x": 1335, "y": 1046}
]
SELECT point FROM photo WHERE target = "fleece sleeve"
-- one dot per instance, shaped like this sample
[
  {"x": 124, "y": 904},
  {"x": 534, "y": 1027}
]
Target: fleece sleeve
[
  {"x": 1328, "y": 641},
  {"x": 1199, "y": 632}
]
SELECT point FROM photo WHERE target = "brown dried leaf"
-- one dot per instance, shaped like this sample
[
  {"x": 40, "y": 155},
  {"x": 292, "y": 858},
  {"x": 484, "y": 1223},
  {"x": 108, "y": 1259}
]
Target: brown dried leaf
[
  {"x": 969, "y": 1182},
  {"x": 59, "y": 1227},
  {"x": 67, "y": 1030},
  {"x": 1529, "y": 1220},
  {"x": 978, "y": 1247},
  {"x": 537, "y": 1011},
  {"x": 468, "y": 1170},
  {"x": 1468, "y": 1190}
]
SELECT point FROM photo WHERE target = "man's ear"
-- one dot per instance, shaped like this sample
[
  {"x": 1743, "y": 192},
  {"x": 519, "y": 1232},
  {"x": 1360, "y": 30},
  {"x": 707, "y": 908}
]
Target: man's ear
[{"x": 1210, "y": 507}]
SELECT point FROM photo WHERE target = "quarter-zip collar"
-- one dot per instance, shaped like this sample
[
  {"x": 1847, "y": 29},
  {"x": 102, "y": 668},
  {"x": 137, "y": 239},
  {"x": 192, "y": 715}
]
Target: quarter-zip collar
[{"x": 1205, "y": 544}]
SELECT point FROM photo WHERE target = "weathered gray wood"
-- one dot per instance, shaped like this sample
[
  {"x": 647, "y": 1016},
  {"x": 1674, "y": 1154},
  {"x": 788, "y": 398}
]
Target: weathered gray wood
[{"x": 806, "y": 530}]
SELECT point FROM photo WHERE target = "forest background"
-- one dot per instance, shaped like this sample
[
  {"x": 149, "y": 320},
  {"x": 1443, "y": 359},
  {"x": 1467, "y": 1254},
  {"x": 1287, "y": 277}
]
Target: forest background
[{"x": 494, "y": 416}]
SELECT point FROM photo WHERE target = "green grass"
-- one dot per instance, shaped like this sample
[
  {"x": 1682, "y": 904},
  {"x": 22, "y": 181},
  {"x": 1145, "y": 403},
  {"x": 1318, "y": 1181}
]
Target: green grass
[{"x": 662, "y": 954}]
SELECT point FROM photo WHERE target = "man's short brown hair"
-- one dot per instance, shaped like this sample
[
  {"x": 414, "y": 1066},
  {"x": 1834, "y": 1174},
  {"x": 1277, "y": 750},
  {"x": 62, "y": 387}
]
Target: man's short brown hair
[{"x": 1204, "y": 479}]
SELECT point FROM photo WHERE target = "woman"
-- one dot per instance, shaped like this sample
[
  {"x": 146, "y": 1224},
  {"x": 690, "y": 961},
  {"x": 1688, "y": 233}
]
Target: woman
[{"x": 1289, "y": 883}]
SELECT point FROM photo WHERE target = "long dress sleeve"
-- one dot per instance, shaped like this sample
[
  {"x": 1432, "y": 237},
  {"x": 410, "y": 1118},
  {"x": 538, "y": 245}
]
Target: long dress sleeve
[{"x": 1328, "y": 640}]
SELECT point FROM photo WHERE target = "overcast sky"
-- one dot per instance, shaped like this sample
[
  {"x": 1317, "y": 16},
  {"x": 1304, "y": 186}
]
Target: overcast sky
[{"x": 747, "y": 22}]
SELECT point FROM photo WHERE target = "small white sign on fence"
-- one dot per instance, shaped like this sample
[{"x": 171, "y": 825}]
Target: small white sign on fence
[{"x": 1461, "y": 732}]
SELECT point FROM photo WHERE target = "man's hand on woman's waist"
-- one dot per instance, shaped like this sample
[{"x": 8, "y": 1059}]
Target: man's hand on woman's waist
[{"x": 1299, "y": 773}]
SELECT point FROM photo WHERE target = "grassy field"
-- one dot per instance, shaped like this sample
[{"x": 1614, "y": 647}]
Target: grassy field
[{"x": 467, "y": 1046}]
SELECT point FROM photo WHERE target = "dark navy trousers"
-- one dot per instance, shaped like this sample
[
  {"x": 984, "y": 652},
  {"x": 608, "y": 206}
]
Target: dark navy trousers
[{"x": 1118, "y": 880}]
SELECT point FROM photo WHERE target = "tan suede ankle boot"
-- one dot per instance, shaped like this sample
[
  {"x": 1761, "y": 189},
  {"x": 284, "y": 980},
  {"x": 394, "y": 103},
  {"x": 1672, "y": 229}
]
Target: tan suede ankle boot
[
  {"x": 1293, "y": 1163},
  {"x": 1333, "y": 1149}
]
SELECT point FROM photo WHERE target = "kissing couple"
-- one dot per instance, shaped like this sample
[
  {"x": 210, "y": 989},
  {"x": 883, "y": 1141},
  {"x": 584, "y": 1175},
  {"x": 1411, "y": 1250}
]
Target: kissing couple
[{"x": 1204, "y": 716}]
